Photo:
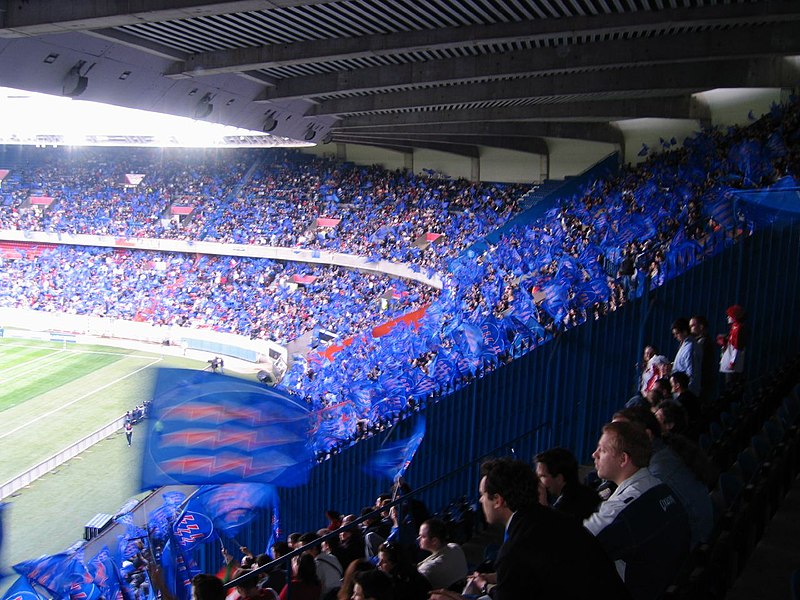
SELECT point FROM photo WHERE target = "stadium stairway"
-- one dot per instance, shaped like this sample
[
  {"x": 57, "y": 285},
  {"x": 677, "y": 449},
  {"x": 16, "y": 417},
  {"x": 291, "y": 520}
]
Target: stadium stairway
[
  {"x": 753, "y": 551},
  {"x": 768, "y": 571}
]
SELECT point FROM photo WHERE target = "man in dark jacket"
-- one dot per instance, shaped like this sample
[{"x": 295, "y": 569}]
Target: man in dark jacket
[{"x": 545, "y": 553}]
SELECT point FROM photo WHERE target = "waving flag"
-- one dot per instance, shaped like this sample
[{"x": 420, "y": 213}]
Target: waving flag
[
  {"x": 209, "y": 428},
  {"x": 105, "y": 575},
  {"x": 47, "y": 571},
  {"x": 392, "y": 460},
  {"x": 22, "y": 590},
  {"x": 231, "y": 506}
]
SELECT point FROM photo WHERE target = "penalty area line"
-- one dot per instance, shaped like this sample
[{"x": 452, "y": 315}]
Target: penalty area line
[{"x": 84, "y": 396}]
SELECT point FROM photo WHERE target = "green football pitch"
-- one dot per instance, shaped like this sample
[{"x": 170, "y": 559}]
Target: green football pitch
[{"x": 51, "y": 396}]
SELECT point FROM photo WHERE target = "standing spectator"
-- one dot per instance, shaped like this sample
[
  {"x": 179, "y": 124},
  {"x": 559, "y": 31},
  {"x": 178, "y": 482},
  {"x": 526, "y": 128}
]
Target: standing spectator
[
  {"x": 733, "y": 346},
  {"x": 687, "y": 358},
  {"x": 690, "y": 403},
  {"x": 698, "y": 326}
]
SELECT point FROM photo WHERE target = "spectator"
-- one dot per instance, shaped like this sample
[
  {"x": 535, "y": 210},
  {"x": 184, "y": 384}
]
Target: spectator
[
  {"x": 690, "y": 403},
  {"x": 733, "y": 346},
  {"x": 557, "y": 470},
  {"x": 305, "y": 584},
  {"x": 373, "y": 585},
  {"x": 698, "y": 326},
  {"x": 669, "y": 467},
  {"x": 247, "y": 586},
  {"x": 207, "y": 587},
  {"x": 687, "y": 359},
  {"x": 642, "y": 526},
  {"x": 446, "y": 566},
  {"x": 349, "y": 578},
  {"x": 408, "y": 583},
  {"x": 329, "y": 570},
  {"x": 545, "y": 553}
]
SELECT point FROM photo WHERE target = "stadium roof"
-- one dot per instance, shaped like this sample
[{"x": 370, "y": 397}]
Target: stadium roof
[{"x": 443, "y": 74}]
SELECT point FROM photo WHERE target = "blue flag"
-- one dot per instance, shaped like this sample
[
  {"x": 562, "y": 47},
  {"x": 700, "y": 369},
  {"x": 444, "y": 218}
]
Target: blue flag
[
  {"x": 231, "y": 506},
  {"x": 46, "y": 571},
  {"x": 22, "y": 590},
  {"x": 392, "y": 461},
  {"x": 178, "y": 568},
  {"x": 105, "y": 575},
  {"x": 209, "y": 428}
]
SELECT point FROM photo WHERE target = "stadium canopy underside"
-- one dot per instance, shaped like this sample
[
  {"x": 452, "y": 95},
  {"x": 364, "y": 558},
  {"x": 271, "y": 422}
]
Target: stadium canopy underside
[{"x": 436, "y": 74}]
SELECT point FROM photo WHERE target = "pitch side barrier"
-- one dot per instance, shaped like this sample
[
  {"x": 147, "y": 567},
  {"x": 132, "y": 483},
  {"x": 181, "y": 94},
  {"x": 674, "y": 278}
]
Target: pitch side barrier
[{"x": 58, "y": 459}]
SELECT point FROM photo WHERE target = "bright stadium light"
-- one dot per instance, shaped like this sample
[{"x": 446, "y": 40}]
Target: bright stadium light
[{"x": 31, "y": 118}]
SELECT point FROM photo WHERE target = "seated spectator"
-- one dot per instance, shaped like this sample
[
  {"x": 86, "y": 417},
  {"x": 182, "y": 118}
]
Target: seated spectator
[
  {"x": 669, "y": 467},
  {"x": 305, "y": 584},
  {"x": 447, "y": 565},
  {"x": 373, "y": 585},
  {"x": 351, "y": 542},
  {"x": 642, "y": 525},
  {"x": 275, "y": 577},
  {"x": 557, "y": 470},
  {"x": 672, "y": 417},
  {"x": 329, "y": 570},
  {"x": 349, "y": 578},
  {"x": 545, "y": 553},
  {"x": 248, "y": 589},
  {"x": 690, "y": 403},
  {"x": 207, "y": 587},
  {"x": 408, "y": 583}
]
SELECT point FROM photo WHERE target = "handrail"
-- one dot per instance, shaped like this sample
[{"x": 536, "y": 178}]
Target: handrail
[{"x": 398, "y": 500}]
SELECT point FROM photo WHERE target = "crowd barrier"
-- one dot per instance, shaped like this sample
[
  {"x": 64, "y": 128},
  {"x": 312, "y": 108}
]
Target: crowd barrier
[{"x": 58, "y": 459}]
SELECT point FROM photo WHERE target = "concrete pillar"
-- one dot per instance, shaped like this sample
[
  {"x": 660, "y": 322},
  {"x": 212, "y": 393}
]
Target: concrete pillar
[
  {"x": 408, "y": 161},
  {"x": 475, "y": 169},
  {"x": 341, "y": 151}
]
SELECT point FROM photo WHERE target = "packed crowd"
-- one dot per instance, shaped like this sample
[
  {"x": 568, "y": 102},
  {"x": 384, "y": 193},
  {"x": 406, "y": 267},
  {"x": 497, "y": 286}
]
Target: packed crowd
[
  {"x": 642, "y": 509},
  {"x": 628, "y": 527},
  {"x": 259, "y": 298},
  {"x": 89, "y": 192},
  {"x": 274, "y": 198},
  {"x": 615, "y": 241}
]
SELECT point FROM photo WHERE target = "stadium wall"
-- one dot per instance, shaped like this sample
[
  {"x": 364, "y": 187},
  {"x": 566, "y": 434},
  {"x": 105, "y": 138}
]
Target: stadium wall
[{"x": 562, "y": 392}]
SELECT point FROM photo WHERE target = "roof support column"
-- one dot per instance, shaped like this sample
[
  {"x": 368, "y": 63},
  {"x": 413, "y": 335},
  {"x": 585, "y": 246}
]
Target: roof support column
[
  {"x": 475, "y": 168},
  {"x": 408, "y": 161}
]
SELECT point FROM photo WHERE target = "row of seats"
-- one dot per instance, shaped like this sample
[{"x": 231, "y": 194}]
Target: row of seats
[{"x": 756, "y": 444}]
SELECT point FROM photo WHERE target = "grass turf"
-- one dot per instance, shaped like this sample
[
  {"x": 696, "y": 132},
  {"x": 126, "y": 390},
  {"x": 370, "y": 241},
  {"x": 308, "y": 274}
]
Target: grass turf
[{"x": 50, "y": 397}]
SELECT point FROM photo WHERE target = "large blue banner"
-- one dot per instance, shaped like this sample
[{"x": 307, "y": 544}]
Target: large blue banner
[{"x": 209, "y": 428}]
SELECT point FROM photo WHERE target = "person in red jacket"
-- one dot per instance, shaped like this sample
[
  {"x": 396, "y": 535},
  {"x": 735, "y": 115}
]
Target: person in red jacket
[{"x": 733, "y": 345}]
